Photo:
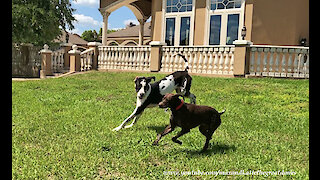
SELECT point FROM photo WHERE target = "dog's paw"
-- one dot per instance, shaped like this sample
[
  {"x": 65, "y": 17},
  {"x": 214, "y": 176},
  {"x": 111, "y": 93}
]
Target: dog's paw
[
  {"x": 117, "y": 128},
  {"x": 128, "y": 126}
]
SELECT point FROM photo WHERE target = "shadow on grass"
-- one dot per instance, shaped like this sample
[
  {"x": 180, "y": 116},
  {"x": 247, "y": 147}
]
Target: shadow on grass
[
  {"x": 158, "y": 129},
  {"x": 213, "y": 149}
]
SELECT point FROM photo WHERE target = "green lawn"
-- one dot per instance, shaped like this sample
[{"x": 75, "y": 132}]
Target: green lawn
[{"x": 61, "y": 129}]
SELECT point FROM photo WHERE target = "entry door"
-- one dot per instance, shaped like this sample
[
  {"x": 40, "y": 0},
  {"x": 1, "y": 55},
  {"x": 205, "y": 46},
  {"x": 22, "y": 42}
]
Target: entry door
[
  {"x": 178, "y": 31},
  {"x": 224, "y": 29}
]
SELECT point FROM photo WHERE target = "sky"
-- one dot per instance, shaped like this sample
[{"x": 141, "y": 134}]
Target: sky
[{"x": 89, "y": 18}]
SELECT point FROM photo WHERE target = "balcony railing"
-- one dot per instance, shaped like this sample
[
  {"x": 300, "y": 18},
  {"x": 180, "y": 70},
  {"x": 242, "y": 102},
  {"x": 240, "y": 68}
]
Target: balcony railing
[
  {"x": 279, "y": 61},
  {"x": 124, "y": 58},
  {"x": 241, "y": 59},
  {"x": 201, "y": 59}
]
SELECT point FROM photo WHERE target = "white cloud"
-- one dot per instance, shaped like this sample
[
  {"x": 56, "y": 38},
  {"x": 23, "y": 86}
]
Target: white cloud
[
  {"x": 134, "y": 21},
  {"x": 117, "y": 29},
  {"x": 91, "y": 3},
  {"x": 87, "y": 21},
  {"x": 76, "y": 31}
]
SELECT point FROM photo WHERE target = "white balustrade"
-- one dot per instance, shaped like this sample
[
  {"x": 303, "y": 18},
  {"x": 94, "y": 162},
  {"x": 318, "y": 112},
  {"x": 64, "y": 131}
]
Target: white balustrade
[
  {"x": 226, "y": 62},
  {"x": 124, "y": 58},
  {"x": 201, "y": 59},
  {"x": 274, "y": 61},
  {"x": 86, "y": 59},
  {"x": 231, "y": 53},
  {"x": 206, "y": 58},
  {"x": 279, "y": 61},
  {"x": 57, "y": 60},
  {"x": 216, "y": 60},
  {"x": 271, "y": 60}
]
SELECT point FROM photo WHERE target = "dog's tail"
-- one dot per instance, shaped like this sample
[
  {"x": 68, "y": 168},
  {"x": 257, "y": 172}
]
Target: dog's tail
[
  {"x": 220, "y": 113},
  {"x": 185, "y": 60}
]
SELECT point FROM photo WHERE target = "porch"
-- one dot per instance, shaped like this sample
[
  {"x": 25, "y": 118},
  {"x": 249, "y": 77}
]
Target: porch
[
  {"x": 216, "y": 61},
  {"x": 239, "y": 60}
]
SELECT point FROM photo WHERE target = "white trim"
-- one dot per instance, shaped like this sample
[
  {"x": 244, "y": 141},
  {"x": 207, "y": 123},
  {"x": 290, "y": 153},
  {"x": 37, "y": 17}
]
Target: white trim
[
  {"x": 224, "y": 21},
  {"x": 111, "y": 41},
  {"x": 157, "y": 43},
  {"x": 124, "y": 43},
  {"x": 178, "y": 16},
  {"x": 242, "y": 42},
  {"x": 285, "y": 47},
  {"x": 94, "y": 44}
]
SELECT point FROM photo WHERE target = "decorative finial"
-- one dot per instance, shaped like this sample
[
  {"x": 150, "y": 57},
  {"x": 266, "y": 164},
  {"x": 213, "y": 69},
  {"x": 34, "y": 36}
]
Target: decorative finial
[
  {"x": 46, "y": 47},
  {"x": 75, "y": 47}
]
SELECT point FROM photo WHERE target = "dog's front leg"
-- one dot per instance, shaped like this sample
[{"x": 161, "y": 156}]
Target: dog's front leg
[
  {"x": 134, "y": 121},
  {"x": 193, "y": 98},
  {"x": 138, "y": 111},
  {"x": 167, "y": 130},
  {"x": 126, "y": 121},
  {"x": 182, "y": 132}
]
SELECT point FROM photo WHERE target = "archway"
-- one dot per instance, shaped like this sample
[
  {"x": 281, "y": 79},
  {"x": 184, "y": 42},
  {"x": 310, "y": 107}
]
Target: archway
[
  {"x": 140, "y": 8},
  {"x": 129, "y": 43}
]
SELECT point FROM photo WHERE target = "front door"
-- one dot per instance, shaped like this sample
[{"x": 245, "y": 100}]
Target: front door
[{"x": 178, "y": 31}]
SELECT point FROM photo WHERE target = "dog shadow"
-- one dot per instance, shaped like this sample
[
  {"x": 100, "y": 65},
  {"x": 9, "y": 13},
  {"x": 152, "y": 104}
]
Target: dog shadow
[
  {"x": 213, "y": 149},
  {"x": 158, "y": 129}
]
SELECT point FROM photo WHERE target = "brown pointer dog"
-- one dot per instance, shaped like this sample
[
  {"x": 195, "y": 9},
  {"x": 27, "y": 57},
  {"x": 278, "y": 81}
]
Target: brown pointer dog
[{"x": 188, "y": 116}]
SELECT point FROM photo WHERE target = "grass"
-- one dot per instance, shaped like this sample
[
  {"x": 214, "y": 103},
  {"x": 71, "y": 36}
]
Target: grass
[{"x": 61, "y": 129}]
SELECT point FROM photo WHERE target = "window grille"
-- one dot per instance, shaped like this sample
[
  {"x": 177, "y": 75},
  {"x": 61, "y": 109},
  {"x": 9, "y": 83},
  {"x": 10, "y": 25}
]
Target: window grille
[
  {"x": 178, "y": 6},
  {"x": 225, "y": 4}
]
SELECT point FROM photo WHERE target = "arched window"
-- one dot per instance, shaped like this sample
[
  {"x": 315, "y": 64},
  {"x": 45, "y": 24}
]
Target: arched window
[
  {"x": 113, "y": 44},
  {"x": 131, "y": 44}
]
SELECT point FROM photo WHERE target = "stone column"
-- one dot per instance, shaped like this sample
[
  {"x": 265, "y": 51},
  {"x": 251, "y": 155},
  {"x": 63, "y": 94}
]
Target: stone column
[
  {"x": 105, "y": 27},
  {"x": 74, "y": 55},
  {"x": 66, "y": 47},
  {"x": 94, "y": 46},
  {"x": 241, "y": 57},
  {"x": 155, "y": 55},
  {"x": 141, "y": 31},
  {"x": 46, "y": 63}
]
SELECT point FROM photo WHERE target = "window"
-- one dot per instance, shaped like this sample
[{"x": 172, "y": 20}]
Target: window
[
  {"x": 178, "y": 21},
  {"x": 215, "y": 27},
  {"x": 170, "y": 28},
  {"x": 225, "y": 21},
  {"x": 178, "y": 6},
  {"x": 185, "y": 31},
  {"x": 232, "y": 28},
  {"x": 225, "y": 4}
]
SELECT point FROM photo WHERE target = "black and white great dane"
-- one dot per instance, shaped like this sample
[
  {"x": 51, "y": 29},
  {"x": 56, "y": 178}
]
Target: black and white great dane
[{"x": 149, "y": 95}]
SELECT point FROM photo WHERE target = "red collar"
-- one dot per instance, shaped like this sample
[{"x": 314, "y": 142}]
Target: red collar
[{"x": 178, "y": 107}]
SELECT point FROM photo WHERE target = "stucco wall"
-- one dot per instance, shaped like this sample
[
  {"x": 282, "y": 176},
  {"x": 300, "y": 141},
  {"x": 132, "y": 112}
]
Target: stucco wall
[
  {"x": 274, "y": 22},
  {"x": 200, "y": 22},
  {"x": 156, "y": 22},
  {"x": 280, "y": 22}
]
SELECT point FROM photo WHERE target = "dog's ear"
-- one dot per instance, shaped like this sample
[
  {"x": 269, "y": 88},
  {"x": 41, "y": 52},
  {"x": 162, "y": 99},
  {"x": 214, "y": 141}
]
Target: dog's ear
[
  {"x": 150, "y": 78},
  {"x": 135, "y": 79}
]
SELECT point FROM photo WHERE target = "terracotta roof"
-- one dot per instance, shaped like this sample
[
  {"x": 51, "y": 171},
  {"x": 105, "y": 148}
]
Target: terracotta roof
[
  {"x": 73, "y": 38},
  {"x": 131, "y": 31}
]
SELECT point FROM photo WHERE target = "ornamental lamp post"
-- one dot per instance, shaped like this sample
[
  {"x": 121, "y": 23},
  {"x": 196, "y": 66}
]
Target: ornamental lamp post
[{"x": 243, "y": 32}]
